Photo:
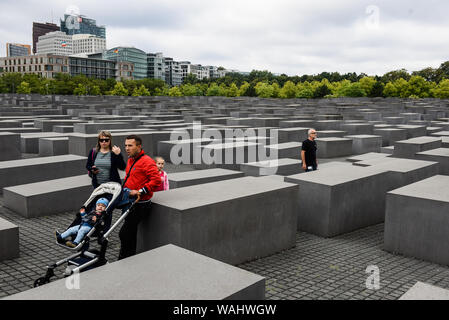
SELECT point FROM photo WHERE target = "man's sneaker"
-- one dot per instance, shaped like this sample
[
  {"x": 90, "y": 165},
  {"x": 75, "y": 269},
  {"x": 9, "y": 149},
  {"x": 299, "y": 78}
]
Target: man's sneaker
[
  {"x": 71, "y": 244},
  {"x": 58, "y": 237}
]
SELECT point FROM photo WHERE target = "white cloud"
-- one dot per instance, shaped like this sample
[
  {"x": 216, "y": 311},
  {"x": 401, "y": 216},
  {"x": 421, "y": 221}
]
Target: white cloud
[{"x": 286, "y": 36}]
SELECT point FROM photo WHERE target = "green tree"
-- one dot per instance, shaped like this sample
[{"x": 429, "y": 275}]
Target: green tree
[
  {"x": 190, "y": 79},
  {"x": 276, "y": 90},
  {"x": 321, "y": 91},
  {"x": 95, "y": 91},
  {"x": 119, "y": 90},
  {"x": 441, "y": 91},
  {"x": 264, "y": 90},
  {"x": 24, "y": 88},
  {"x": 442, "y": 72},
  {"x": 367, "y": 84},
  {"x": 175, "y": 92},
  {"x": 390, "y": 90},
  {"x": 429, "y": 74},
  {"x": 243, "y": 89},
  {"x": 395, "y": 75},
  {"x": 377, "y": 90},
  {"x": 11, "y": 81},
  {"x": 305, "y": 90},
  {"x": 353, "y": 89},
  {"x": 419, "y": 87},
  {"x": 161, "y": 91},
  {"x": 140, "y": 91},
  {"x": 233, "y": 91},
  {"x": 80, "y": 90},
  {"x": 213, "y": 90},
  {"x": 288, "y": 91}
]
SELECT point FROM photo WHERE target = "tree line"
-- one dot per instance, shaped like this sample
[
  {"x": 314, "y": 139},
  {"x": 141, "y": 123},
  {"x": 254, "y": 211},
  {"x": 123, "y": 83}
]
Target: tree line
[{"x": 426, "y": 83}]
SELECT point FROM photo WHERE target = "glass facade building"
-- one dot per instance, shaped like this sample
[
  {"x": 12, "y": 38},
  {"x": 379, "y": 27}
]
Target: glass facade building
[
  {"x": 173, "y": 72},
  {"x": 156, "y": 66},
  {"x": 92, "y": 68},
  {"x": 81, "y": 25},
  {"x": 17, "y": 50},
  {"x": 128, "y": 54},
  {"x": 40, "y": 29}
]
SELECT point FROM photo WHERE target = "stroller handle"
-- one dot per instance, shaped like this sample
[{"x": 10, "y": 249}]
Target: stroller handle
[{"x": 123, "y": 216}]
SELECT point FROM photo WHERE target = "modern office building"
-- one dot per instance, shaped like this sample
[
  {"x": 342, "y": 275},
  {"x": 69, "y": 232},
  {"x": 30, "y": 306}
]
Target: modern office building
[
  {"x": 78, "y": 24},
  {"x": 100, "y": 69},
  {"x": 129, "y": 54},
  {"x": 200, "y": 72},
  {"x": 17, "y": 49},
  {"x": 156, "y": 66},
  {"x": 56, "y": 42},
  {"x": 48, "y": 65},
  {"x": 215, "y": 72},
  {"x": 40, "y": 29},
  {"x": 173, "y": 73},
  {"x": 44, "y": 65},
  {"x": 186, "y": 68},
  {"x": 88, "y": 44}
]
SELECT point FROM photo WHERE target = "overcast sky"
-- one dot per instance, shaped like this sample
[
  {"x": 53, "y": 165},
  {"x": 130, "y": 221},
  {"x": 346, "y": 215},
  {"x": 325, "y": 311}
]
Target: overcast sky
[{"x": 295, "y": 37}]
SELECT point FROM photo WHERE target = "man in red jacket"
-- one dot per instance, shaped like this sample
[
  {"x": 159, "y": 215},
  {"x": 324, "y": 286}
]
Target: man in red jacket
[{"x": 142, "y": 177}]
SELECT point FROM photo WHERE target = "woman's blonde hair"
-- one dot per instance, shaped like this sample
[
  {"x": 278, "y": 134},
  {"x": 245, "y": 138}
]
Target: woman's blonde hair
[{"x": 106, "y": 134}]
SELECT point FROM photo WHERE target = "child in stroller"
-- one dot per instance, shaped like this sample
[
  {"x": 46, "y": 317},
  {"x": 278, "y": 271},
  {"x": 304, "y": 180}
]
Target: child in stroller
[
  {"x": 88, "y": 221},
  {"x": 85, "y": 258}
]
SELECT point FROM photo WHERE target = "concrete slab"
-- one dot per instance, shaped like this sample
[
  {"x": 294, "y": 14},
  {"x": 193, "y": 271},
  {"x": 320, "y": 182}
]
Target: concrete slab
[
  {"x": 365, "y": 143},
  {"x": 440, "y": 155},
  {"x": 402, "y": 171},
  {"x": 165, "y": 273},
  {"x": 9, "y": 146},
  {"x": 17, "y": 172},
  {"x": 413, "y": 131},
  {"x": 339, "y": 201},
  {"x": 48, "y": 197},
  {"x": 190, "y": 178},
  {"x": 330, "y": 134},
  {"x": 240, "y": 219},
  {"x": 358, "y": 128},
  {"x": 390, "y": 135},
  {"x": 53, "y": 146},
  {"x": 290, "y": 150},
  {"x": 367, "y": 156},
  {"x": 425, "y": 291},
  {"x": 9, "y": 240},
  {"x": 333, "y": 147},
  {"x": 417, "y": 220},
  {"x": 408, "y": 148},
  {"x": 281, "y": 167}
]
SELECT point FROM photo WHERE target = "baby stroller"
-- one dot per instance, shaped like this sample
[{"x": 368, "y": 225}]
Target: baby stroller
[{"x": 85, "y": 259}]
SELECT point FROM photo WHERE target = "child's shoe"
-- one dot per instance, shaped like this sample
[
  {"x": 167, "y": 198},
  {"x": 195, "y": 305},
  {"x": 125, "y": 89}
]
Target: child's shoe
[
  {"x": 71, "y": 244},
  {"x": 58, "y": 237}
]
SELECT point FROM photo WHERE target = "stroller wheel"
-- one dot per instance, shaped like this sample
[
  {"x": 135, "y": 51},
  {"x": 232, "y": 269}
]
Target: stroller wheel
[{"x": 41, "y": 281}]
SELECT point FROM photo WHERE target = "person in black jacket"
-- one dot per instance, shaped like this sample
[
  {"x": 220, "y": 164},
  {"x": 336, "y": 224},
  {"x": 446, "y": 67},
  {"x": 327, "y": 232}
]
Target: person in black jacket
[
  {"x": 104, "y": 161},
  {"x": 308, "y": 152}
]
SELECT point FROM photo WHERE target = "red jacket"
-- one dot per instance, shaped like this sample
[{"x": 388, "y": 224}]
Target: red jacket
[{"x": 144, "y": 176}]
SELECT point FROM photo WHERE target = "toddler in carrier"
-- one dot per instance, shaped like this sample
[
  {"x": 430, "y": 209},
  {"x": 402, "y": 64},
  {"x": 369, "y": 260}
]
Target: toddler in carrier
[{"x": 88, "y": 221}]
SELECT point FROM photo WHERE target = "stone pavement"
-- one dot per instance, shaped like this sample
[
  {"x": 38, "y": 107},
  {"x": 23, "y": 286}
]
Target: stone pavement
[{"x": 316, "y": 268}]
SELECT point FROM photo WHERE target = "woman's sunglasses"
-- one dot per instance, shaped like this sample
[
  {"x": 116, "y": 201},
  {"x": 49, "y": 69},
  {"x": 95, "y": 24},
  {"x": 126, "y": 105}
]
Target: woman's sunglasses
[{"x": 103, "y": 140}]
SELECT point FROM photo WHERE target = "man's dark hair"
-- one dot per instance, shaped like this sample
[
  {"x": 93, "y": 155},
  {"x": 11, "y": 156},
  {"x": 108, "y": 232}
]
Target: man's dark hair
[{"x": 135, "y": 137}]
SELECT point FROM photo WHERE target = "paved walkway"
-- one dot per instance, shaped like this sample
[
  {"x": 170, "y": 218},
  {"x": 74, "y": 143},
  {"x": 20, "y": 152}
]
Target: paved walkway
[{"x": 316, "y": 268}]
